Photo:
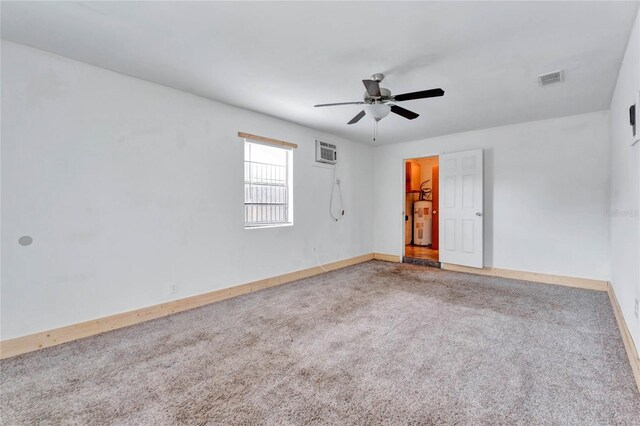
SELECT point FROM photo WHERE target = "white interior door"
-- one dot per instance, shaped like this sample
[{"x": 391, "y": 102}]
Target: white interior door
[{"x": 461, "y": 208}]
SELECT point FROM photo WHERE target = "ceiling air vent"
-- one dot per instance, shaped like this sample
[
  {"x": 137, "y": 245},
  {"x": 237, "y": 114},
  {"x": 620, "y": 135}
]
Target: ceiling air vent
[{"x": 550, "y": 78}]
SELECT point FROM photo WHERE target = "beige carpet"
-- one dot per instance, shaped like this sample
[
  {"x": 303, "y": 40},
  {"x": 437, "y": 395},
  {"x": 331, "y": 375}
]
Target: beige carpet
[{"x": 377, "y": 343}]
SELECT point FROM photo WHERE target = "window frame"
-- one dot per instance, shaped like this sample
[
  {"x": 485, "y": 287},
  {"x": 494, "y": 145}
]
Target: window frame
[{"x": 288, "y": 205}]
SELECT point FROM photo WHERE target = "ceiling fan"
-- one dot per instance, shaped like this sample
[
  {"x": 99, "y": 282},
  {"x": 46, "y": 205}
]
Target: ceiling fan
[{"x": 380, "y": 102}]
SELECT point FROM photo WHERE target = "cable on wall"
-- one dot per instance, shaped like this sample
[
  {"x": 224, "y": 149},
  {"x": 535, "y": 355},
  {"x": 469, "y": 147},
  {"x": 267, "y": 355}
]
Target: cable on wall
[
  {"x": 333, "y": 183},
  {"x": 318, "y": 259}
]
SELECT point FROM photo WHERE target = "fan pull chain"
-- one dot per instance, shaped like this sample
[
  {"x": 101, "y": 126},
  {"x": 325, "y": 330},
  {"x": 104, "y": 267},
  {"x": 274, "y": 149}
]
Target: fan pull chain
[{"x": 375, "y": 130}]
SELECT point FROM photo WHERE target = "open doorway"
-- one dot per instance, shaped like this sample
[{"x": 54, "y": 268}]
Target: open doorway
[{"x": 421, "y": 237}]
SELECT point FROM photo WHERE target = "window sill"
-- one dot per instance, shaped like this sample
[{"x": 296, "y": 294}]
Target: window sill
[{"x": 279, "y": 225}]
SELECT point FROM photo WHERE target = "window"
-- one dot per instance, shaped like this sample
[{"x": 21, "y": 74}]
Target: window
[{"x": 267, "y": 185}]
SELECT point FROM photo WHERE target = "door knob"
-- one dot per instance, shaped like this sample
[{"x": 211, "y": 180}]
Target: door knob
[
  {"x": 435, "y": 212},
  {"x": 478, "y": 214}
]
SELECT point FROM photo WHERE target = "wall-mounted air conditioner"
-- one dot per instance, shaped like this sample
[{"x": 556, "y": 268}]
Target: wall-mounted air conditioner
[{"x": 326, "y": 152}]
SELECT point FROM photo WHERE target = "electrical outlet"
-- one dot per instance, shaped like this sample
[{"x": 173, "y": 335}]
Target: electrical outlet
[
  {"x": 637, "y": 308},
  {"x": 173, "y": 288},
  {"x": 338, "y": 181}
]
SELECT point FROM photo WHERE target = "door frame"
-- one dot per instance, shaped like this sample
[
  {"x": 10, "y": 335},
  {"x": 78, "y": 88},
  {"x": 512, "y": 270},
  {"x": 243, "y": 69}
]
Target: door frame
[{"x": 404, "y": 197}]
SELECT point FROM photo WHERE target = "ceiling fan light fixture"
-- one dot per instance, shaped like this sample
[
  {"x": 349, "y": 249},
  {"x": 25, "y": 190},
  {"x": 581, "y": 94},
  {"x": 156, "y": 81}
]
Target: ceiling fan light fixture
[{"x": 377, "y": 111}]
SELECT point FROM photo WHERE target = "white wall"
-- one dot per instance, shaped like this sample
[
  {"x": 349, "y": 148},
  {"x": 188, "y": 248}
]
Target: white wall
[
  {"x": 546, "y": 193},
  {"x": 625, "y": 188},
  {"x": 127, "y": 187}
]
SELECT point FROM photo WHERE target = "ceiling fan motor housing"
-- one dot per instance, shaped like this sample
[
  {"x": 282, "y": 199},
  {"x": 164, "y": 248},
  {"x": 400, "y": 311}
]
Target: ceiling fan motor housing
[{"x": 385, "y": 96}]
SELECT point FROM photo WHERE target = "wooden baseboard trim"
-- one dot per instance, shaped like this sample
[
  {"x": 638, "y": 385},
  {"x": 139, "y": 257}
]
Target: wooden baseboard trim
[
  {"x": 632, "y": 352},
  {"x": 585, "y": 283},
  {"x": 387, "y": 257},
  {"x": 20, "y": 345}
]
